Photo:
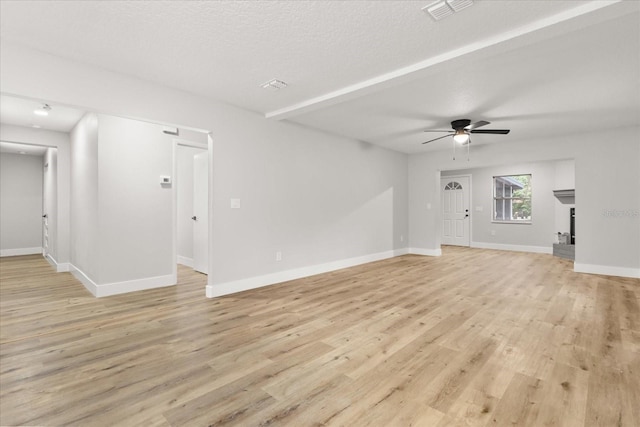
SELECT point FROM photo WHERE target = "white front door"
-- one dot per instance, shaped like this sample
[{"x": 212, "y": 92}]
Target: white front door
[
  {"x": 201, "y": 212},
  {"x": 455, "y": 210}
]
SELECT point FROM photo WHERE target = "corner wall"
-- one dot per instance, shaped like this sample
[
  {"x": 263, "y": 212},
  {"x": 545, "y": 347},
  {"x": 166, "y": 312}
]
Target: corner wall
[{"x": 85, "y": 217}]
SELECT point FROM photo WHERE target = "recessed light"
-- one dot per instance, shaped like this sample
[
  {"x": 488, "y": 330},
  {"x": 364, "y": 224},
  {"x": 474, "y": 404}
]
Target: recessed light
[
  {"x": 36, "y": 126},
  {"x": 274, "y": 84},
  {"x": 22, "y": 152}
]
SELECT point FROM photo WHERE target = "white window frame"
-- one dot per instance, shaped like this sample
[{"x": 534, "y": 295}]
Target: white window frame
[{"x": 509, "y": 200}]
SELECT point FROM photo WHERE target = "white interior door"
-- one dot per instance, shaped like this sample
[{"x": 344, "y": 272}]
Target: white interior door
[
  {"x": 201, "y": 213},
  {"x": 455, "y": 210},
  {"x": 45, "y": 233}
]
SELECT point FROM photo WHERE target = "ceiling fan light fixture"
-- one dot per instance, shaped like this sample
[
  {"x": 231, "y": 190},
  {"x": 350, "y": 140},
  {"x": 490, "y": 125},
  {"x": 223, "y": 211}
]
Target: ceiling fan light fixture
[{"x": 461, "y": 137}]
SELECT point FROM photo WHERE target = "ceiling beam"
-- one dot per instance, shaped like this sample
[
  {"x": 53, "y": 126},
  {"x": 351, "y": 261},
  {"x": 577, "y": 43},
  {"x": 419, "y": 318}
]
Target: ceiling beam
[{"x": 413, "y": 71}]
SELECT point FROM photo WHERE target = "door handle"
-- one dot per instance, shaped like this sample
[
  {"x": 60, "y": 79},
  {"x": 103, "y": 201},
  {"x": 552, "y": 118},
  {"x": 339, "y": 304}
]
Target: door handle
[
  {"x": 194, "y": 218},
  {"x": 466, "y": 216},
  {"x": 44, "y": 216}
]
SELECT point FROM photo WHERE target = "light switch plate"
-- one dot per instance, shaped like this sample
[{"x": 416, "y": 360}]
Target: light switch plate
[{"x": 235, "y": 203}]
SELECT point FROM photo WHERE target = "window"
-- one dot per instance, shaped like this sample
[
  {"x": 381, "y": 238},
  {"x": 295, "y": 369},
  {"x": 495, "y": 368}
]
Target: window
[
  {"x": 512, "y": 198},
  {"x": 453, "y": 186}
]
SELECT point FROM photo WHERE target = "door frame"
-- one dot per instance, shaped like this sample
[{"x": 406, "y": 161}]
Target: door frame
[
  {"x": 470, "y": 197},
  {"x": 174, "y": 196}
]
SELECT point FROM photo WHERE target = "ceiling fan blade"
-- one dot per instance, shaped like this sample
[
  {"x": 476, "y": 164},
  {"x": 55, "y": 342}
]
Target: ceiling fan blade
[
  {"x": 431, "y": 140},
  {"x": 494, "y": 131},
  {"x": 476, "y": 125},
  {"x": 439, "y": 130}
]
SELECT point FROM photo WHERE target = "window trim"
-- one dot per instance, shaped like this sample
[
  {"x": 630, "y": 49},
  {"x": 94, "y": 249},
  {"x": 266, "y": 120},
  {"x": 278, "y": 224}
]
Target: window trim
[{"x": 494, "y": 199}]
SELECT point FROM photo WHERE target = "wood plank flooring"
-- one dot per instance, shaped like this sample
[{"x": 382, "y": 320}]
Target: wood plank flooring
[{"x": 472, "y": 338}]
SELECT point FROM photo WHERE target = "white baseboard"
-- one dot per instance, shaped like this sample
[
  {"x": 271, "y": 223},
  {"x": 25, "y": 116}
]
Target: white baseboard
[
  {"x": 135, "y": 285},
  {"x": 60, "y": 267},
  {"x": 227, "y": 288},
  {"x": 116, "y": 288},
  {"x": 84, "y": 279},
  {"x": 606, "y": 270},
  {"x": 516, "y": 248},
  {"x": 183, "y": 260},
  {"x": 20, "y": 251},
  {"x": 427, "y": 252}
]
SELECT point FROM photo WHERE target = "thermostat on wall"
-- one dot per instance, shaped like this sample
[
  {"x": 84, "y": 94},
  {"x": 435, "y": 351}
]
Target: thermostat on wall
[{"x": 165, "y": 180}]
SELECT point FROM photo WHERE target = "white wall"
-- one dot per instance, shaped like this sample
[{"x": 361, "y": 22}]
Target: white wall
[
  {"x": 607, "y": 178},
  {"x": 315, "y": 197},
  {"x": 184, "y": 190},
  {"x": 608, "y": 204},
  {"x": 50, "y": 200},
  {"x": 135, "y": 211},
  {"x": 60, "y": 141},
  {"x": 85, "y": 244},
  {"x": 20, "y": 204},
  {"x": 537, "y": 236}
]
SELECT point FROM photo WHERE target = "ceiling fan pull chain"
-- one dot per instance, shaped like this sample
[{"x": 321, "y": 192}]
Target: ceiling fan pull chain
[{"x": 468, "y": 145}]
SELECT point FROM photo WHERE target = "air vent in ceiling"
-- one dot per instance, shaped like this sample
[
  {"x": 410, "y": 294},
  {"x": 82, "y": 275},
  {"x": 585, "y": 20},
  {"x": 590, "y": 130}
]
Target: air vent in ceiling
[
  {"x": 458, "y": 5},
  {"x": 443, "y": 8},
  {"x": 438, "y": 10},
  {"x": 274, "y": 84}
]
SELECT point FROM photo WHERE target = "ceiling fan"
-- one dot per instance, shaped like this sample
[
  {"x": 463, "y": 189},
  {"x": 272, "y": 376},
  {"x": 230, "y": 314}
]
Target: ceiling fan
[{"x": 463, "y": 128}]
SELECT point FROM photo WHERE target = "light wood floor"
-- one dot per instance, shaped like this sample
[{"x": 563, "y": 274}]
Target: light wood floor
[{"x": 472, "y": 338}]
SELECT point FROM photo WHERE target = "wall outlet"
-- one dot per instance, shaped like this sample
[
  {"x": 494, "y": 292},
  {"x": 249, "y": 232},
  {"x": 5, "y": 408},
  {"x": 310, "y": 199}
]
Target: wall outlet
[
  {"x": 235, "y": 203},
  {"x": 278, "y": 256}
]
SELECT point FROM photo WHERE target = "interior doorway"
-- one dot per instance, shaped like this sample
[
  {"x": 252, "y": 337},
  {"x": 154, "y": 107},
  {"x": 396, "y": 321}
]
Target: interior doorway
[
  {"x": 27, "y": 196},
  {"x": 191, "y": 202}
]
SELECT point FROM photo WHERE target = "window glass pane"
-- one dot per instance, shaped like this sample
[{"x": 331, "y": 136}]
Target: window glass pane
[
  {"x": 498, "y": 188},
  {"x": 512, "y": 198},
  {"x": 521, "y": 209}
]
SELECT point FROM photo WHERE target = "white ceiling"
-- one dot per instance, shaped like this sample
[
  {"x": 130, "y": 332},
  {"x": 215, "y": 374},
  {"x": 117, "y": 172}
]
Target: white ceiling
[
  {"x": 26, "y": 149},
  {"x": 377, "y": 71},
  {"x": 19, "y": 112}
]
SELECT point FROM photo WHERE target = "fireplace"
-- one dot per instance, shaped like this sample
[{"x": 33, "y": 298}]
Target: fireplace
[{"x": 572, "y": 227}]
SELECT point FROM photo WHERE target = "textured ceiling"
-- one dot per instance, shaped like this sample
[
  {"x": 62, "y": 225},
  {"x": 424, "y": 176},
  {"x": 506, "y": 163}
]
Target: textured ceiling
[{"x": 376, "y": 71}]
